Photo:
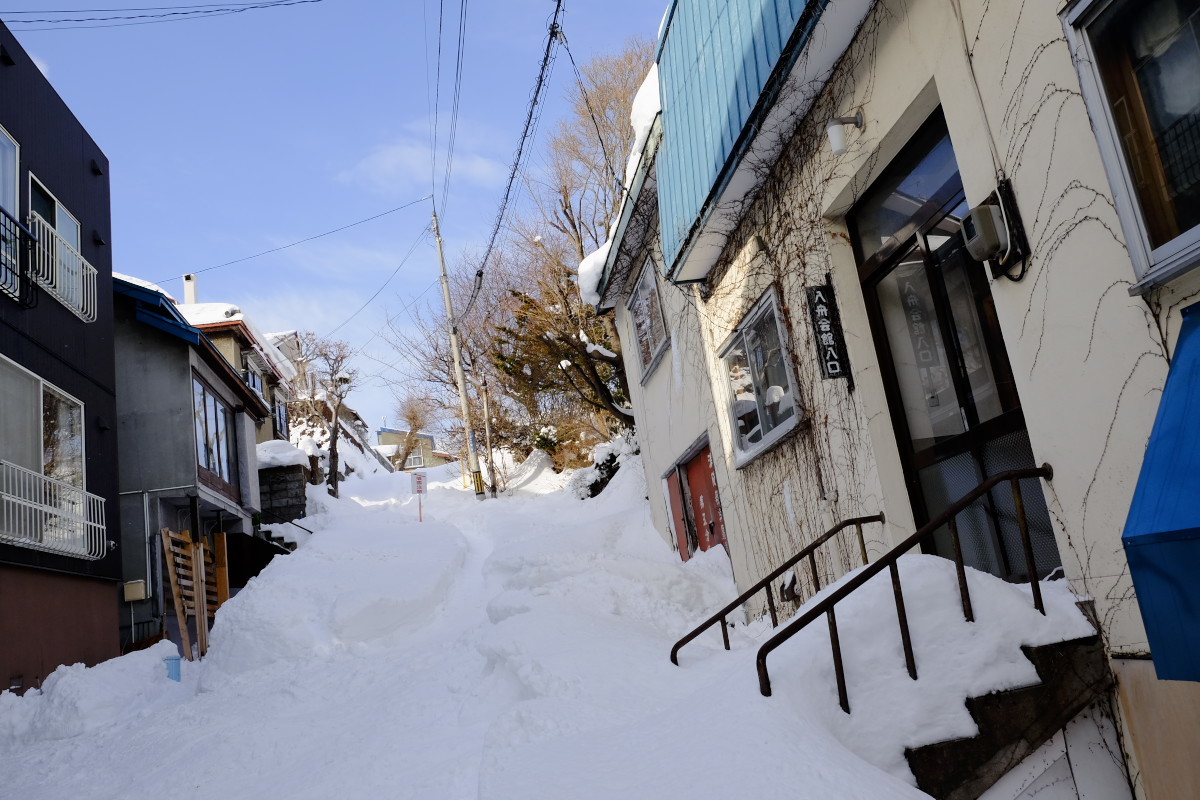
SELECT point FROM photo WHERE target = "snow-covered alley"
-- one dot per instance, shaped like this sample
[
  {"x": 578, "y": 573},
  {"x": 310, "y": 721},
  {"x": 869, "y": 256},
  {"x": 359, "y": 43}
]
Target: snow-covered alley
[{"x": 515, "y": 648}]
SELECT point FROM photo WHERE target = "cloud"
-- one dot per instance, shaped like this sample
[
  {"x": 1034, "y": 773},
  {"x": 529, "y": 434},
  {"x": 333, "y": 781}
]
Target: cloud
[
  {"x": 41, "y": 65},
  {"x": 404, "y": 163}
]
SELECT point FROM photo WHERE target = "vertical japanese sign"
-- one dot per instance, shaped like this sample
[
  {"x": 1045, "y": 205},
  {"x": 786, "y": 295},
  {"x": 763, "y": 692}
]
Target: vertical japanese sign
[{"x": 827, "y": 333}]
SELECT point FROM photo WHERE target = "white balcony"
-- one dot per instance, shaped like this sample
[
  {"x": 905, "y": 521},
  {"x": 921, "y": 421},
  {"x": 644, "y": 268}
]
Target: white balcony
[
  {"x": 46, "y": 514},
  {"x": 62, "y": 271}
]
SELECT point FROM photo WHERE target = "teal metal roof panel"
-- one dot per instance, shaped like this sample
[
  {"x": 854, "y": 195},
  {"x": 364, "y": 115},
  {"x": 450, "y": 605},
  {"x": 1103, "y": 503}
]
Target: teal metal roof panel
[{"x": 714, "y": 61}]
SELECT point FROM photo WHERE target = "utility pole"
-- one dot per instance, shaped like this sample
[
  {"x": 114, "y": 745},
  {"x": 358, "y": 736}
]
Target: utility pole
[
  {"x": 487, "y": 437},
  {"x": 472, "y": 455}
]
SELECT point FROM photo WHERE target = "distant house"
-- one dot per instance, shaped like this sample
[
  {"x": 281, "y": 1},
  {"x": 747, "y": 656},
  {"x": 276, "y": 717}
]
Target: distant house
[
  {"x": 423, "y": 454},
  {"x": 266, "y": 370},
  {"x": 186, "y": 426},
  {"x": 58, "y": 444}
]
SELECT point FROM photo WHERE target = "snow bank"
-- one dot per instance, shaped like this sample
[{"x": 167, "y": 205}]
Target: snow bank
[
  {"x": 75, "y": 700},
  {"x": 536, "y": 475},
  {"x": 276, "y": 453},
  {"x": 352, "y": 584},
  {"x": 518, "y": 648}
]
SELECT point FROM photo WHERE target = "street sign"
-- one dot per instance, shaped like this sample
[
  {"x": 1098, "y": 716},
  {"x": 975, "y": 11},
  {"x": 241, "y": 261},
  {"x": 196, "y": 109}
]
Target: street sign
[{"x": 419, "y": 488}]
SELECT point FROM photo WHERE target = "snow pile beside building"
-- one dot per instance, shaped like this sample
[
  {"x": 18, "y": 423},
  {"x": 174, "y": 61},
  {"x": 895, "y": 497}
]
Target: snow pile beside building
[
  {"x": 607, "y": 459},
  {"x": 75, "y": 700},
  {"x": 276, "y": 453},
  {"x": 353, "y": 584}
]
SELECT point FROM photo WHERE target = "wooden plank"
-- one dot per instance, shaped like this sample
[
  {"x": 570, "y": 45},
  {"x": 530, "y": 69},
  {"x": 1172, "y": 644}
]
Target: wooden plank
[
  {"x": 221, "y": 552},
  {"x": 177, "y": 595},
  {"x": 201, "y": 601}
]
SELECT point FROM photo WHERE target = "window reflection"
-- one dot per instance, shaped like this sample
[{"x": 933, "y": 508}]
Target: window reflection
[{"x": 898, "y": 198}]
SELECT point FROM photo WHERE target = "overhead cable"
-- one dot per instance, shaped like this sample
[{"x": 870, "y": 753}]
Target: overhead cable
[
  {"x": 531, "y": 118},
  {"x": 121, "y": 21},
  {"x": 302, "y": 241},
  {"x": 371, "y": 299}
]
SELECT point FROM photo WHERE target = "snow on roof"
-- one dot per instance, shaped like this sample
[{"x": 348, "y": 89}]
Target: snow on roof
[
  {"x": 278, "y": 453},
  {"x": 590, "y": 271},
  {"x": 645, "y": 109},
  {"x": 154, "y": 287},
  {"x": 201, "y": 314},
  {"x": 209, "y": 313},
  {"x": 646, "y": 106}
]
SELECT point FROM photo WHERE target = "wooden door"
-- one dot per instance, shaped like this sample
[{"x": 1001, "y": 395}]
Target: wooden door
[{"x": 703, "y": 500}]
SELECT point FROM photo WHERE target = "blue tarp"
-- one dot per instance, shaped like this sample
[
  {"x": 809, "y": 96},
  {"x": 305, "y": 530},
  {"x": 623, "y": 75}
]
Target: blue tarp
[{"x": 1162, "y": 533}]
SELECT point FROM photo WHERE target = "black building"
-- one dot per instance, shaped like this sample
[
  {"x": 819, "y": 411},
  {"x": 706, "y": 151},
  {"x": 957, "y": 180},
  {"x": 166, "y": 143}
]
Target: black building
[{"x": 59, "y": 571}]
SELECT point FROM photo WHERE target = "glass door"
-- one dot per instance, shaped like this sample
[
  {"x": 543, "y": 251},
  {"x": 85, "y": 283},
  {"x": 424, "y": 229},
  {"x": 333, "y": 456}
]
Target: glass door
[{"x": 950, "y": 388}]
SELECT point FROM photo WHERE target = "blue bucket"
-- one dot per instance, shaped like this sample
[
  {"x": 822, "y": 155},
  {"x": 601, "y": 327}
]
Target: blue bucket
[{"x": 172, "y": 663}]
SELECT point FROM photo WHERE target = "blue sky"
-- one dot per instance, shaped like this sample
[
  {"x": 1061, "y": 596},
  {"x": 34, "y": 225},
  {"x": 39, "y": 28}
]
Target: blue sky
[{"x": 232, "y": 135}]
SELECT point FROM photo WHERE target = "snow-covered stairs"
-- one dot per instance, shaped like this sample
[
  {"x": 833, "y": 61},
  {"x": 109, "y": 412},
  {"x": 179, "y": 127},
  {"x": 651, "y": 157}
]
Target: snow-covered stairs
[{"x": 1014, "y": 723}]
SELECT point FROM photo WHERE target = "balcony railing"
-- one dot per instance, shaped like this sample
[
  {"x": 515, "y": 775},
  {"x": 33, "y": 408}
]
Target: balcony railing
[
  {"x": 15, "y": 239},
  {"x": 46, "y": 514},
  {"x": 62, "y": 271}
]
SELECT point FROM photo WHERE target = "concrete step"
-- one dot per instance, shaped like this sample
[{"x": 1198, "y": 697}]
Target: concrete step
[{"x": 1014, "y": 723}]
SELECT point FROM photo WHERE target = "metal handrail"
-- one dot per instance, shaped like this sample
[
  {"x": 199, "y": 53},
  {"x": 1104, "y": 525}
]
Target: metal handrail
[
  {"x": 888, "y": 561},
  {"x": 808, "y": 552}
]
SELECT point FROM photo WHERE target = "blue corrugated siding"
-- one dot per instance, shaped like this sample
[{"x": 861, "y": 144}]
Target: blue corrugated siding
[{"x": 713, "y": 64}]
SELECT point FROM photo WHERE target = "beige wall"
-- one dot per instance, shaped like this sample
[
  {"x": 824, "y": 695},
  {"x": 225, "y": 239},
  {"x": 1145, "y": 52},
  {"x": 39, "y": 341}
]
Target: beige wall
[
  {"x": 674, "y": 410},
  {"x": 1163, "y": 726}
]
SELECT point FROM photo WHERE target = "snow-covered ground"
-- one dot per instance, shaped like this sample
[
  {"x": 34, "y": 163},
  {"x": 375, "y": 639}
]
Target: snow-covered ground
[{"x": 516, "y": 649}]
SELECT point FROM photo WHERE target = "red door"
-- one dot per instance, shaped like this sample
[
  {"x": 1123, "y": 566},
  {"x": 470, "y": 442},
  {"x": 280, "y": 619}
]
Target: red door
[{"x": 706, "y": 505}]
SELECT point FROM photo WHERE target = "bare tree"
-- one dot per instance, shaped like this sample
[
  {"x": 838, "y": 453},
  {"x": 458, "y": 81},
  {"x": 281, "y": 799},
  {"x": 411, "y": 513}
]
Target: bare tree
[
  {"x": 332, "y": 379},
  {"x": 416, "y": 413},
  {"x": 549, "y": 359}
]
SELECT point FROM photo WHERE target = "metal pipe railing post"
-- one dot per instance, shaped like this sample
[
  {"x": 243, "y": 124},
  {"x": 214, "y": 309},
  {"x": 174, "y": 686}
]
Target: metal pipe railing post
[
  {"x": 902, "y": 616},
  {"x": 838, "y": 668},
  {"x": 963, "y": 592},
  {"x": 1027, "y": 545}
]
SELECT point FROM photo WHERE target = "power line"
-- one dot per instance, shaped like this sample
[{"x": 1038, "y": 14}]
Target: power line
[
  {"x": 531, "y": 119},
  {"x": 587, "y": 101},
  {"x": 458, "y": 75},
  {"x": 117, "y": 10},
  {"x": 301, "y": 241},
  {"x": 188, "y": 13},
  {"x": 379, "y": 291}
]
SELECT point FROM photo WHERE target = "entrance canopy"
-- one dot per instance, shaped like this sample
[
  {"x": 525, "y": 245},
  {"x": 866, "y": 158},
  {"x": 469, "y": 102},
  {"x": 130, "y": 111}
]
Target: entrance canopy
[{"x": 1162, "y": 533}]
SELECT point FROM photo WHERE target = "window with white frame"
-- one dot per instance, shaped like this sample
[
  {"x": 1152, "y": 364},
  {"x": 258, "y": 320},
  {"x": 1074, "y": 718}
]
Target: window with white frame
[
  {"x": 416, "y": 459},
  {"x": 41, "y": 428},
  {"x": 1140, "y": 70},
  {"x": 762, "y": 400},
  {"x": 645, "y": 308}
]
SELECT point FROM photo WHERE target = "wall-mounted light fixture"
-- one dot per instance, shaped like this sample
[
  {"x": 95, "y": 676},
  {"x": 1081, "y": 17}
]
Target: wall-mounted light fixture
[{"x": 836, "y": 131}]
